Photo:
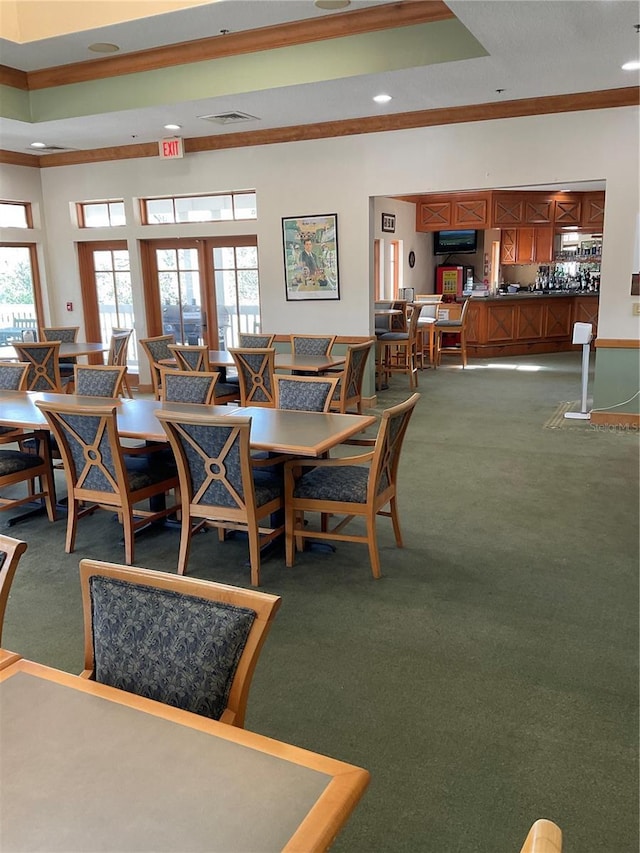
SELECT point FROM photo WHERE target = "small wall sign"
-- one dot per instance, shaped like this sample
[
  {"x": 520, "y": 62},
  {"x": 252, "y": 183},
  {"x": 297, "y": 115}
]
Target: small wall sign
[
  {"x": 389, "y": 222},
  {"x": 171, "y": 149}
]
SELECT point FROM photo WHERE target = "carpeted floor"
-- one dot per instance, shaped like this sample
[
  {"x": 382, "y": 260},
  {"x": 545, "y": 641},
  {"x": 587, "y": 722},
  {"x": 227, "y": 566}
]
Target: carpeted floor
[{"x": 491, "y": 676}]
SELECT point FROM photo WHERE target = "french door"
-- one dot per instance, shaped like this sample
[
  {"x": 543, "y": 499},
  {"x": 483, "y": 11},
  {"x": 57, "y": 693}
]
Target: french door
[
  {"x": 107, "y": 297},
  {"x": 203, "y": 291},
  {"x": 20, "y": 297}
]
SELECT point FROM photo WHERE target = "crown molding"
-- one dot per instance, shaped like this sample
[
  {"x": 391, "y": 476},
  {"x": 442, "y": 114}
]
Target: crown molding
[
  {"x": 17, "y": 158},
  {"x": 14, "y": 78}
]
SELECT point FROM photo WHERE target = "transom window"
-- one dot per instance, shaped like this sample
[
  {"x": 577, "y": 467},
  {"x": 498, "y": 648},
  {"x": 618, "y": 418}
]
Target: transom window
[
  {"x": 199, "y": 208},
  {"x": 101, "y": 214},
  {"x": 15, "y": 214}
]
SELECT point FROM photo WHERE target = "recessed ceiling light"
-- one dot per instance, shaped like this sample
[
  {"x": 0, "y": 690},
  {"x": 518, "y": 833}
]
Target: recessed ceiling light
[
  {"x": 634, "y": 65},
  {"x": 104, "y": 47},
  {"x": 382, "y": 99},
  {"x": 332, "y": 4},
  {"x": 173, "y": 127},
  {"x": 38, "y": 144}
]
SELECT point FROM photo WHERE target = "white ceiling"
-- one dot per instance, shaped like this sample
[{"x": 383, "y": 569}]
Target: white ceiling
[{"x": 535, "y": 47}]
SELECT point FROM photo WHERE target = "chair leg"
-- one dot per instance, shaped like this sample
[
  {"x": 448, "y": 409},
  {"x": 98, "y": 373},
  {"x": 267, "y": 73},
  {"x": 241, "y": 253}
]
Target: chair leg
[
  {"x": 73, "y": 507},
  {"x": 129, "y": 538},
  {"x": 463, "y": 348},
  {"x": 254, "y": 555},
  {"x": 185, "y": 542},
  {"x": 393, "y": 507},
  {"x": 372, "y": 541},
  {"x": 289, "y": 540}
]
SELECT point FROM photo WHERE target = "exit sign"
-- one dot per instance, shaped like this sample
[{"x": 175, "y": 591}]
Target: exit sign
[{"x": 171, "y": 149}]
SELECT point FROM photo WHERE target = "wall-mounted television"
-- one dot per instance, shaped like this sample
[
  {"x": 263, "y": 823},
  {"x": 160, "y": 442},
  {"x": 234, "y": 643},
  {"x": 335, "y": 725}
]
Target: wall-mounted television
[{"x": 455, "y": 242}]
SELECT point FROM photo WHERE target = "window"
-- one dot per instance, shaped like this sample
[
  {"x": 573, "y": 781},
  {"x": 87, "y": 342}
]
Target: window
[
  {"x": 101, "y": 214},
  {"x": 235, "y": 270},
  {"x": 200, "y": 208},
  {"x": 20, "y": 303},
  {"x": 15, "y": 214}
]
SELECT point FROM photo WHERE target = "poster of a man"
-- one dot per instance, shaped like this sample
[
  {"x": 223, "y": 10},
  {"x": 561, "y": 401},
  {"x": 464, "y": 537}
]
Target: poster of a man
[{"x": 311, "y": 257}]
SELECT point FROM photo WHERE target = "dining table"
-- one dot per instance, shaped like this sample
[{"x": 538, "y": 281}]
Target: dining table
[
  {"x": 285, "y": 361},
  {"x": 74, "y": 349},
  {"x": 298, "y": 433},
  {"x": 86, "y": 766}
]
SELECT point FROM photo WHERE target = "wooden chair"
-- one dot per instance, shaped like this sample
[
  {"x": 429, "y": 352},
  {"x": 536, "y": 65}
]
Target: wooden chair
[
  {"x": 256, "y": 370},
  {"x": 117, "y": 355},
  {"x": 426, "y": 326},
  {"x": 544, "y": 837},
  {"x": 453, "y": 327},
  {"x": 44, "y": 365},
  {"x": 195, "y": 646},
  {"x": 96, "y": 470},
  {"x": 349, "y": 392},
  {"x": 312, "y": 344},
  {"x": 16, "y": 466},
  {"x": 305, "y": 393},
  {"x": 10, "y": 552},
  {"x": 249, "y": 339},
  {"x": 188, "y": 386},
  {"x": 355, "y": 486},
  {"x": 157, "y": 350},
  {"x": 99, "y": 380},
  {"x": 194, "y": 358},
  {"x": 217, "y": 483},
  {"x": 399, "y": 350},
  {"x": 13, "y": 377},
  {"x": 66, "y": 335}
]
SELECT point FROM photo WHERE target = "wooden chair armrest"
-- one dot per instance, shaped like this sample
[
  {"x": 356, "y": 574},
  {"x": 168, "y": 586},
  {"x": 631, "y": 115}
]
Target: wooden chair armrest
[
  {"x": 320, "y": 463},
  {"x": 271, "y": 460},
  {"x": 361, "y": 442}
]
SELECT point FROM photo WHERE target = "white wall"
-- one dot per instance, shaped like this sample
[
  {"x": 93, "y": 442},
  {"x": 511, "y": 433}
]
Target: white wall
[{"x": 341, "y": 176}]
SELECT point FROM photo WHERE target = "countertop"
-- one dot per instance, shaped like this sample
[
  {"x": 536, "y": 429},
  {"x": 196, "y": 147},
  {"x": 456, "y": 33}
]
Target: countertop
[{"x": 535, "y": 294}]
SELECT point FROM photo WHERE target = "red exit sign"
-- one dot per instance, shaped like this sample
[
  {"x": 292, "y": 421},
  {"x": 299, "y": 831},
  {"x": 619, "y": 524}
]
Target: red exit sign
[{"x": 171, "y": 149}]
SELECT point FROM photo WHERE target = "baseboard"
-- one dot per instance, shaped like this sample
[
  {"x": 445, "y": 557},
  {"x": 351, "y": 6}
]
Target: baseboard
[{"x": 627, "y": 420}]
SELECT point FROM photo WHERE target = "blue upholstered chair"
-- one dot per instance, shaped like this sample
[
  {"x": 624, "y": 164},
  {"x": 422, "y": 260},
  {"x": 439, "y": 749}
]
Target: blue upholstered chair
[
  {"x": 399, "y": 350},
  {"x": 349, "y": 487},
  {"x": 305, "y": 393},
  {"x": 16, "y": 466},
  {"x": 157, "y": 350},
  {"x": 217, "y": 483},
  {"x": 256, "y": 369},
  {"x": 44, "y": 366},
  {"x": 312, "y": 344},
  {"x": 98, "y": 473},
  {"x": 188, "y": 386},
  {"x": 195, "y": 644},
  {"x": 99, "y": 380},
  {"x": 117, "y": 356},
  {"x": 248, "y": 340},
  {"x": 188, "y": 357},
  {"x": 13, "y": 375},
  {"x": 66, "y": 335},
  {"x": 10, "y": 552},
  {"x": 348, "y": 394}
]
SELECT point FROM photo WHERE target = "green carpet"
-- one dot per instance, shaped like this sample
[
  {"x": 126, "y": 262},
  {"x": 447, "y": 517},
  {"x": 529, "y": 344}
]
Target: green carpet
[{"x": 491, "y": 676}]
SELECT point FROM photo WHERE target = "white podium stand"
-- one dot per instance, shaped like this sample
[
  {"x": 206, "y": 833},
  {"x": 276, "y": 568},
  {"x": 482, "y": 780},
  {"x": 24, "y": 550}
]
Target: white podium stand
[{"x": 582, "y": 334}]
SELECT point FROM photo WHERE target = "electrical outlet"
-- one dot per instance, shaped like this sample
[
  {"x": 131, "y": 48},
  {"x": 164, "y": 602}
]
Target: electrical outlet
[{"x": 636, "y": 309}]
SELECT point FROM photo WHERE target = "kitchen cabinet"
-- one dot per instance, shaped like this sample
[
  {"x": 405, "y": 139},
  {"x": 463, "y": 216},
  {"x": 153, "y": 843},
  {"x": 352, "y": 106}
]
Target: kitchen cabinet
[
  {"x": 526, "y": 246},
  {"x": 521, "y": 209},
  {"x": 451, "y": 211},
  {"x": 568, "y": 210},
  {"x": 593, "y": 211}
]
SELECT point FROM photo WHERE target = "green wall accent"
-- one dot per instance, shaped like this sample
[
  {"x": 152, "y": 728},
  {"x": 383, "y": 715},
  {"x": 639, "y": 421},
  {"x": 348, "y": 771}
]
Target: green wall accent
[
  {"x": 367, "y": 53},
  {"x": 617, "y": 380},
  {"x": 15, "y": 104}
]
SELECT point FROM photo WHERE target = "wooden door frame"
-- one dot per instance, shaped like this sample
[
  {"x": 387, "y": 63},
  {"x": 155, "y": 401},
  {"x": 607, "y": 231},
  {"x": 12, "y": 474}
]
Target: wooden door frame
[
  {"x": 90, "y": 305},
  {"x": 35, "y": 276}
]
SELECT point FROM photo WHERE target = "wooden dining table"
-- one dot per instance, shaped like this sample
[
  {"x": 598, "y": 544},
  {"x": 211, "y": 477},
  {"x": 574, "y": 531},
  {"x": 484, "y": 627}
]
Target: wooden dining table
[
  {"x": 89, "y": 767},
  {"x": 67, "y": 350},
  {"x": 285, "y": 361},
  {"x": 298, "y": 433}
]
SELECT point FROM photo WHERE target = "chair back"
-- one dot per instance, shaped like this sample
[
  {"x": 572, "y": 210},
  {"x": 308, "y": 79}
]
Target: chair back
[
  {"x": 10, "y": 552},
  {"x": 194, "y": 358},
  {"x": 248, "y": 339},
  {"x": 196, "y": 643},
  {"x": 44, "y": 365},
  {"x": 188, "y": 386},
  {"x": 92, "y": 456},
  {"x": 118, "y": 346},
  {"x": 312, "y": 344},
  {"x": 544, "y": 837},
  {"x": 305, "y": 393},
  {"x": 13, "y": 375},
  {"x": 349, "y": 392},
  {"x": 64, "y": 334},
  {"x": 398, "y": 322},
  {"x": 386, "y": 455},
  {"x": 99, "y": 380},
  {"x": 256, "y": 370},
  {"x": 157, "y": 349}
]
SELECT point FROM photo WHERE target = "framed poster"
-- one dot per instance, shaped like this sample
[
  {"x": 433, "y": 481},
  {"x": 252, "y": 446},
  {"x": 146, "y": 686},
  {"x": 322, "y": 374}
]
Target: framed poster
[{"x": 311, "y": 256}]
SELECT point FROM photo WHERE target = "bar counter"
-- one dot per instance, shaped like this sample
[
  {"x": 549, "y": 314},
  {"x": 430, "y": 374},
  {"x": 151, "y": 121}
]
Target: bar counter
[{"x": 527, "y": 323}]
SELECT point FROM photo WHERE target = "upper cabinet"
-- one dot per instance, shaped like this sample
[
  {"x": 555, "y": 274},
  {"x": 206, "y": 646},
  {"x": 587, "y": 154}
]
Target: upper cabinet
[
  {"x": 526, "y": 246},
  {"x": 442, "y": 212},
  {"x": 510, "y": 209}
]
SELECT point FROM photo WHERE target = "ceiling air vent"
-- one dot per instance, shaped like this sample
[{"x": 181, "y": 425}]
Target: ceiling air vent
[{"x": 231, "y": 117}]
